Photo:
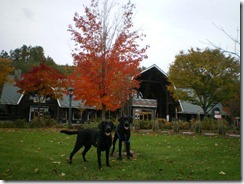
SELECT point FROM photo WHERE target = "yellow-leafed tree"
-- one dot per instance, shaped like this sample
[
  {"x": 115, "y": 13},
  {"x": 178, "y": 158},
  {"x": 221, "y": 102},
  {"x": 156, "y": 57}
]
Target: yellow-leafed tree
[
  {"x": 5, "y": 69},
  {"x": 204, "y": 77}
]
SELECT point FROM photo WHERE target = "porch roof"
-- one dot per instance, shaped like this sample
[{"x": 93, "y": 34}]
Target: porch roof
[
  {"x": 188, "y": 108},
  {"x": 147, "y": 103},
  {"x": 64, "y": 103},
  {"x": 11, "y": 96}
]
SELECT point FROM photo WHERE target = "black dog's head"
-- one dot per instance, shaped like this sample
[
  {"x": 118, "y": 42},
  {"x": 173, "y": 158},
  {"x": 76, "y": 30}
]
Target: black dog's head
[
  {"x": 125, "y": 121},
  {"x": 106, "y": 127}
]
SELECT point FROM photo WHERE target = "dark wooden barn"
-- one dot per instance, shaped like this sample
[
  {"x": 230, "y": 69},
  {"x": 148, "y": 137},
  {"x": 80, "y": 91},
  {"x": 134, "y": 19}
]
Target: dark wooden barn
[{"x": 153, "y": 85}]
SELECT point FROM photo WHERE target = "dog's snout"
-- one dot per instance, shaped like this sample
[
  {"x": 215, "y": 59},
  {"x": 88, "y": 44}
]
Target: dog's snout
[
  {"x": 108, "y": 129},
  {"x": 126, "y": 124}
]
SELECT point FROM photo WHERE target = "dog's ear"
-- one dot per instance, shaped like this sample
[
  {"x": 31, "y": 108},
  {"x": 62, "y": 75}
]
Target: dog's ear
[
  {"x": 130, "y": 119},
  {"x": 100, "y": 126},
  {"x": 121, "y": 119},
  {"x": 112, "y": 125}
]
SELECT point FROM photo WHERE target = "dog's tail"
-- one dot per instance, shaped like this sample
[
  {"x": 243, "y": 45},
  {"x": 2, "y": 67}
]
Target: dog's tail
[{"x": 69, "y": 132}]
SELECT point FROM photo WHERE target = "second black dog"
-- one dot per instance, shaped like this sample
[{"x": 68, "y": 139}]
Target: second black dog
[
  {"x": 102, "y": 139},
  {"x": 122, "y": 133}
]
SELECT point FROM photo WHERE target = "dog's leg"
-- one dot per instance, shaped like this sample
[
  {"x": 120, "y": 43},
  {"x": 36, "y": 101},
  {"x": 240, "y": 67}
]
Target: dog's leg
[
  {"x": 76, "y": 148},
  {"x": 128, "y": 150},
  {"x": 114, "y": 142},
  {"x": 99, "y": 159},
  {"x": 120, "y": 149},
  {"x": 107, "y": 157},
  {"x": 87, "y": 147}
]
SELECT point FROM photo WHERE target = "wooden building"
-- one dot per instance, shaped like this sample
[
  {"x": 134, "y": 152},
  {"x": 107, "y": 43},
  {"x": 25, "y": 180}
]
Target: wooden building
[
  {"x": 153, "y": 85},
  {"x": 15, "y": 105},
  {"x": 153, "y": 100}
]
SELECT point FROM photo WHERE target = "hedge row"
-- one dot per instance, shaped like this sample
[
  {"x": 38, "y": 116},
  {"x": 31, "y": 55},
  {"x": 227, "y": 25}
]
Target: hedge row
[{"x": 210, "y": 125}]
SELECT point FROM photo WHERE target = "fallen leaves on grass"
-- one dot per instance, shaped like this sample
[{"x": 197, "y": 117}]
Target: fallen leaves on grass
[
  {"x": 222, "y": 173},
  {"x": 56, "y": 162},
  {"x": 62, "y": 174},
  {"x": 36, "y": 170},
  {"x": 7, "y": 172},
  {"x": 38, "y": 149},
  {"x": 54, "y": 170}
]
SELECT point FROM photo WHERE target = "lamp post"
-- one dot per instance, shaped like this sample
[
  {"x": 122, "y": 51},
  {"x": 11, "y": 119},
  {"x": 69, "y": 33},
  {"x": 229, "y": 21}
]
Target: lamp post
[{"x": 70, "y": 90}]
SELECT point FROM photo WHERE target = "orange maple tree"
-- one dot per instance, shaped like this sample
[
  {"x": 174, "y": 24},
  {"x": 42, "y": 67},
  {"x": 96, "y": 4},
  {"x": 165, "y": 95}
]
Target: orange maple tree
[
  {"x": 106, "y": 64},
  {"x": 43, "y": 81}
]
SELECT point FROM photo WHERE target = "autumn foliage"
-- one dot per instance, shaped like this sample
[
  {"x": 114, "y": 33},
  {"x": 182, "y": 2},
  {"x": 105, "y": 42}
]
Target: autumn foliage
[
  {"x": 42, "y": 80},
  {"x": 204, "y": 77},
  {"x": 5, "y": 69},
  {"x": 105, "y": 65}
]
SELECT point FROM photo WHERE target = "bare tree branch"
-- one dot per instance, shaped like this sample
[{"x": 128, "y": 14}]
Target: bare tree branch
[
  {"x": 235, "y": 40},
  {"x": 231, "y": 37}
]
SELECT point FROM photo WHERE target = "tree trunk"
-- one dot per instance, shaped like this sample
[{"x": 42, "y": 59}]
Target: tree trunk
[
  {"x": 103, "y": 112},
  {"x": 205, "y": 113}
]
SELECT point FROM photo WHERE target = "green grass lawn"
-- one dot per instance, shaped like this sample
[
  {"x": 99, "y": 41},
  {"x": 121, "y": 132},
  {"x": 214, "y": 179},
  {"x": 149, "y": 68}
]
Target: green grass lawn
[{"x": 41, "y": 154}]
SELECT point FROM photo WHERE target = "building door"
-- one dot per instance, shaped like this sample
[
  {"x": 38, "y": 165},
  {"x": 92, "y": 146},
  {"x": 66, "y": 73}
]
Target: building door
[{"x": 34, "y": 110}]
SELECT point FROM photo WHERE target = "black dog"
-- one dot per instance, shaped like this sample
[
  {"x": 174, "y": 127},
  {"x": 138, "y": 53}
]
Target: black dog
[
  {"x": 122, "y": 133},
  {"x": 102, "y": 139}
]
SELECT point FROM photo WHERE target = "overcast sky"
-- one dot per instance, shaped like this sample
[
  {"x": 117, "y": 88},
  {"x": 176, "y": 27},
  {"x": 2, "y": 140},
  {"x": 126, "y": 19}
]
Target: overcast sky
[{"x": 170, "y": 26}]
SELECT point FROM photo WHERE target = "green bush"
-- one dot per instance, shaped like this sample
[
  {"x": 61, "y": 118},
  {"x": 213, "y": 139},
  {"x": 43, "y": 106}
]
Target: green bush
[
  {"x": 209, "y": 124},
  {"x": 49, "y": 122},
  {"x": 36, "y": 124},
  {"x": 222, "y": 126},
  {"x": 184, "y": 125},
  {"x": 155, "y": 125},
  {"x": 93, "y": 124},
  {"x": 21, "y": 123},
  {"x": 176, "y": 127},
  {"x": 7, "y": 124},
  {"x": 168, "y": 125},
  {"x": 161, "y": 122},
  {"x": 136, "y": 124},
  {"x": 197, "y": 126},
  {"x": 145, "y": 124}
]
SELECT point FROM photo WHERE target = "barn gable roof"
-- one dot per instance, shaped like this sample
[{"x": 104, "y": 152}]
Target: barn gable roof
[{"x": 154, "y": 66}]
